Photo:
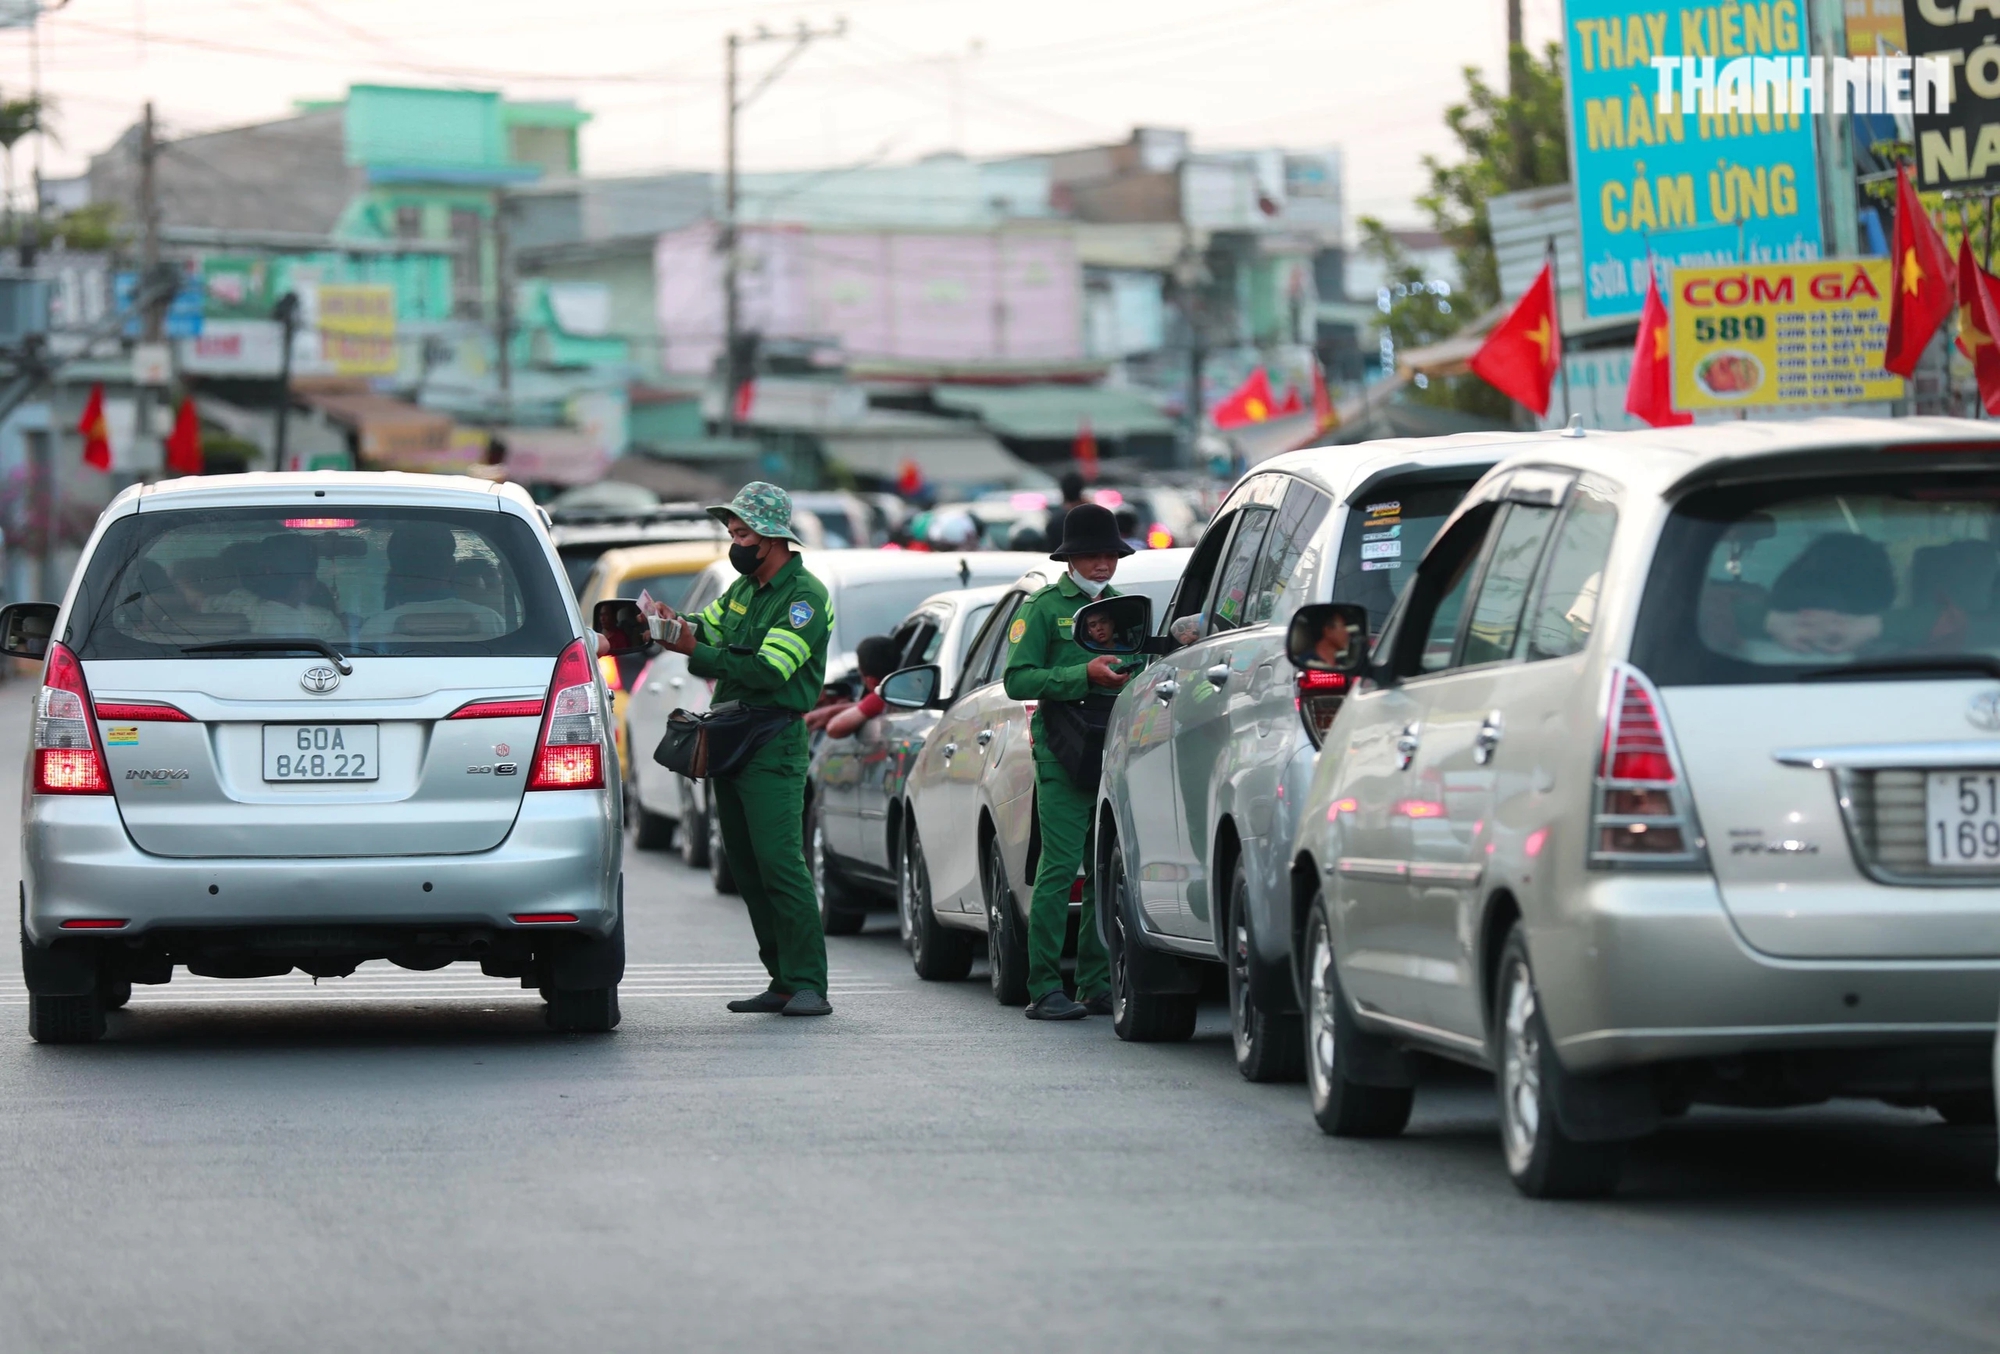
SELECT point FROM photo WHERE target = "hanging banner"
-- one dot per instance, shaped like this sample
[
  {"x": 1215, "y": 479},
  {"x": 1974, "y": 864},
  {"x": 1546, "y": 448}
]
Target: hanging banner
[
  {"x": 1959, "y": 148},
  {"x": 1776, "y": 334},
  {"x": 1690, "y": 189},
  {"x": 357, "y": 328}
]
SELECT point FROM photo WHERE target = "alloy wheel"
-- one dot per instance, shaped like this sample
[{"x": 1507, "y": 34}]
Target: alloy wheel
[
  {"x": 906, "y": 896},
  {"x": 1121, "y": 974},
  {"x": 1240, "y": 1015},
  {"x": 1321, "y": 1049},
  {"x": 1520, "y": 1070}
]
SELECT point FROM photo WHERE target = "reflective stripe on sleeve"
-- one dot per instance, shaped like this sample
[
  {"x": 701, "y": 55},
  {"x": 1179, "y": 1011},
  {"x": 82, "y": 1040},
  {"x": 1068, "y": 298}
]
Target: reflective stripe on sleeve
[{"x": 784, "y": 651}]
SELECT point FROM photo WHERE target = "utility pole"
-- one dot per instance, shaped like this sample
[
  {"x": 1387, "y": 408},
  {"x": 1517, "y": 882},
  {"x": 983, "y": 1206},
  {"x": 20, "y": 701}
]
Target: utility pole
[
  {"x": 732, "y": 302},
  {"x": 503, "y": 307},
  {"x": 149, "y": 296}
]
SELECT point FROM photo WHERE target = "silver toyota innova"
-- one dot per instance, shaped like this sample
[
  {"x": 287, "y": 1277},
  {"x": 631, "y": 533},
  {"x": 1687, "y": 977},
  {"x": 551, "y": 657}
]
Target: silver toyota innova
[
  {"x": 1674, "y": 778},
  {"x": 310, "y": 720}
]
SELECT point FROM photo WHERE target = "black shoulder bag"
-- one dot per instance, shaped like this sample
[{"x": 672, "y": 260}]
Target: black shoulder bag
[
  {"x": 718, "y": 743},
  {"x": 1075, "y": 733}
]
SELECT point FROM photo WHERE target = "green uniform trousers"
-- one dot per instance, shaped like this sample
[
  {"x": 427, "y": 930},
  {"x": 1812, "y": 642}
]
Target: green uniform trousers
[
  {"x": 1063, "y": 813},
  {"x": 762, "y": 809}
]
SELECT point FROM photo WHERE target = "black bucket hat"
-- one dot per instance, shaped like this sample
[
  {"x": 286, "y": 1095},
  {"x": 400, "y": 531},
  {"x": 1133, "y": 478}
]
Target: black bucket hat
[{"x": 1090, "y": 530}]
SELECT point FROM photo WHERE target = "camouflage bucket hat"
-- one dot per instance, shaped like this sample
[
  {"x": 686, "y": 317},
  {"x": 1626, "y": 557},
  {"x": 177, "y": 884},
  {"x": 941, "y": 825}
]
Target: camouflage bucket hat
[{"x": 764, "y": 508}]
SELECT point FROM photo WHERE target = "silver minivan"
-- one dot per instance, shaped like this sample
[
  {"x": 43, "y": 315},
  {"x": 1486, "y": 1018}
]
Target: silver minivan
[
  {"x": 1673, "y": 779},
  {"x": 310, "y": 720},
  {"x": 1212, "y": 746}
]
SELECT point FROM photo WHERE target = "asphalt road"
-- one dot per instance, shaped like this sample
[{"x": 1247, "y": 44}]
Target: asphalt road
[{"x": 401, "y": 1161}]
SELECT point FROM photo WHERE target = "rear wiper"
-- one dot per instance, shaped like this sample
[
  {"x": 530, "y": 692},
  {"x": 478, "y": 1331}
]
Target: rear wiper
[
  {"x": 1916, "y": 665},
  {"x": 319, "y": 646}
]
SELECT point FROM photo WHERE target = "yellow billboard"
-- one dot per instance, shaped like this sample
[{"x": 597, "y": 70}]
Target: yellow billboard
[
  {"x": 357, "y": 328},
  {"x": 1756, "y": 335}
]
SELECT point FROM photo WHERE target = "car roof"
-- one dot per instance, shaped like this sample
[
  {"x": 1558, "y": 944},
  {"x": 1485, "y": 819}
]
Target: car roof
[
  {"x": 964, "y": 597},
  {"x": 1146, "y": 566},
  {"x": 1342, "y": 470},
  {"x": 677, "y": 557},
  {"x": 336, "y": 486},
  {"x": 1658, "y": 460},
  {"x": 867, "y": 566}
]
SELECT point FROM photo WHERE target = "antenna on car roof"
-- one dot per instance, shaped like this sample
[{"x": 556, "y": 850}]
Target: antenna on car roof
[
  {"x": 1575, "y": 428},
  {"x": 964, "y": 572}
]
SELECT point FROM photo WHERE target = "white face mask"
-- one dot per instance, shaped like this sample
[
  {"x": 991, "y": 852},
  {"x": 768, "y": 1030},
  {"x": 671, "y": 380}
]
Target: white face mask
[{"x": 1090, "y": 587}]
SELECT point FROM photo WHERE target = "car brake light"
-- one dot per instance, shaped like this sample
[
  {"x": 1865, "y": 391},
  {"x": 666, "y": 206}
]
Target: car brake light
[
  {"x": 1158, "y": 537},
  {"x": 607, "y": 667},
  {"x": 136, "y": 712},
  {"x": 543, "y": 918},
  {"x": 68, "y": 757},
  {"x": 1643, "y": 814},
  {"x": 93, "y": 923},
  {"x": 500, "y": 709},
  {"x": 570, "y": 752},
  {"x": 1320, "y": 695}
]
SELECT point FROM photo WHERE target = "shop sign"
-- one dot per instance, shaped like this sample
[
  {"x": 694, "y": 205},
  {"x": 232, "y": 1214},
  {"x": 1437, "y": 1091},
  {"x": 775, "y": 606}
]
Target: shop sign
[{"x": 1779, "y": 334}]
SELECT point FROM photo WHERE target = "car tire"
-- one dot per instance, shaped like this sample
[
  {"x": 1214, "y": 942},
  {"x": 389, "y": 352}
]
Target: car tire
[
  {"x": 1006, "y": 936},
  {"x": 1268, "y": 1047},
  {"x": 1138, "y": 1017},
  {"x": 66, "y": 1020},
  {"x": 1342, "y": 1108},
  {"x": 939, "y": 953},
  {"x": 650, "y": 831},
  {"x": 720, "y": 877},
  {"x": 694, "y": 831},
  {"x": 116, "y": 992},
  {"x": 840, "y": 914},
  {"x": 1544, "y": 1162},
  {"x": 589, "y": 1010}
]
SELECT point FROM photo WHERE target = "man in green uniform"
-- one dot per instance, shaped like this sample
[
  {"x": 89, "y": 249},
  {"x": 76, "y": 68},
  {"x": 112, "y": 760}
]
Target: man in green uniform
[
  {"x": 764, "y": 642},
  {"x": 1044, "y": 664}
]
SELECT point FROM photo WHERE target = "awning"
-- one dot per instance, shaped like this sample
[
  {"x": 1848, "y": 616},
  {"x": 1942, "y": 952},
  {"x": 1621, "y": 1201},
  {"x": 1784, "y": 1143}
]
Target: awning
[
  {"x": 947, "y": 452},
  {"x": 393, "y": 434},
  {"x": 1057, "y": 412},
  {"x": 552, "y": 456}
]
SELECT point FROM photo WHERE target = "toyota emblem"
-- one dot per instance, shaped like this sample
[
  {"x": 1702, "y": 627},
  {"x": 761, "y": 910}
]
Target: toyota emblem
[
  {"x": 1984, "y": 710},
  {"x": 319, "y": 680}
]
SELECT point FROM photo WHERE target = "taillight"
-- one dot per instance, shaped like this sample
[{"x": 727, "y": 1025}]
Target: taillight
[
  {"x": 135, "y": 712},
  {"x": 1643, "y": 812},
  {"x": 570, "y": 752},
  {"x": 501, "y": 708},
  {"x": 68, "y": 758},
  {"x": 607, "y": 667},
  {"x": 1320, "y": 695}
]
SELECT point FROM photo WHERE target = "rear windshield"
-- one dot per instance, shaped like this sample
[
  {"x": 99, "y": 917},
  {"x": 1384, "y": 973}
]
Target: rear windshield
[
  {"x": 409, "y": 582},
  {"x": 669, "y": 588},
  {"x": 1388, "y": 530},
  {"x": 1770, "y": 583}
]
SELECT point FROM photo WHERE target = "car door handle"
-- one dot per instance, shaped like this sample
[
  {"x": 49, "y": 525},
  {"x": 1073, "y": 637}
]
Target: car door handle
[
  {"x": 652, "y": 686},
  {"x": 1218, "y": 675},
  {"x": 675, "y": 682},
  {"x": 950, "y": 751},
  {"x": 1406, "y": 746},
  {"x": 1487, "y": 739},
  {"x": 1165, "y": 690},
  {"x": 985, "y": 737}
]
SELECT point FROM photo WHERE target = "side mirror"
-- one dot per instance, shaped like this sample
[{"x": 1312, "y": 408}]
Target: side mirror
[
  {"x": 912, "y": 688},
  {"x": 1329, "y": 637},
  {"x": 618, "y": 620},
  {"x": 26, "y": 629},
  {"x": 1118, "y": 626}
]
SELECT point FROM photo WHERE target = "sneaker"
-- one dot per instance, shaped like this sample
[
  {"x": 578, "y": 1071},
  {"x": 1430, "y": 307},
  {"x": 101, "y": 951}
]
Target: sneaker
[
  {"x": 806, "y": 1002},
  {"x": 1099, "y": 1004},
  {"x": 1055, "y": 1005},
  {"x": 764, "y": 1003}
]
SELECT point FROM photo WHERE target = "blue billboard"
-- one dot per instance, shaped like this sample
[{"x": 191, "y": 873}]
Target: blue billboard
[{"x": 1685, "y": 188}]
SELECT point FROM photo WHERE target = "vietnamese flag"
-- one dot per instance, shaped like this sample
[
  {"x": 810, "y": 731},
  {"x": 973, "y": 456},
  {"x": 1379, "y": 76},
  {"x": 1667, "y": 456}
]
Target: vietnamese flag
[
  {"x": 1293, "y": 404},
  {"x": 1250, "y": 403},
  {"x": 184, "y": 442},
  {"x": 1085, "y": 451},
  {"x": 1522, "y": 354},
  {"x": 1323, "y": 415},
  {"x": 1922, "y": 288},
  {"x": 1649, "y": 395},
  {"x": 96, "y": 433},
  {"x": 1979, "y": 325}
]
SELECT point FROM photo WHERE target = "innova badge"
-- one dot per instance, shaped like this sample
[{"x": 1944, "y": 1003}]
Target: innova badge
[
  {"x": 319, "y": 680},
  {"x": 1984, "y": 710}
]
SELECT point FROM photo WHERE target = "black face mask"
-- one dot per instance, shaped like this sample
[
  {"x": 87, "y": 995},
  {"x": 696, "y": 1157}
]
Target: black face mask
[{"x": 746, "y": 559}]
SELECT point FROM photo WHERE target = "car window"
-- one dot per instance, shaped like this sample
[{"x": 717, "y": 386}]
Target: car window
[
  {"x": 874, "y": 607},
  {"x": 1386, "y": 533},
  {"x": 1574, "y": 577},
  {"x": 416, "y": 582},
  {"x": 980, "y": 657},
  {"x": 670, "y": 588},
  {"x": 1191, "y": 594},
  {"x": 1290, "y": 554},
  {"x": 1503, "y": 586},
  {"x": 970, "y": 630},
  {"x": 1231, "y": 597},
  {"x": 1425, "y": 636}
]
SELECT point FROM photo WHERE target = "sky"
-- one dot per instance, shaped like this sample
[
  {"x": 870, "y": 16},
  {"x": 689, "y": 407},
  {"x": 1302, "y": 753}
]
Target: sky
[{"x": 907, "y": 78}]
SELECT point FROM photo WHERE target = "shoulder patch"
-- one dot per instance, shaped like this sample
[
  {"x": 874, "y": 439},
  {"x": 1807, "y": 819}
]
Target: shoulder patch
[
  {"x": 1016, "y": 630},
  {"x": 801, "y": 612}
]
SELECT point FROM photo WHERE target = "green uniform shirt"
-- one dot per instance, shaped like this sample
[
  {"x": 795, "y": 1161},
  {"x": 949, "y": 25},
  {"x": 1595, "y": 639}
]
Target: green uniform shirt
[
  {"x": 765, "y": 644},
  {"x": 1044, "y": 661}
]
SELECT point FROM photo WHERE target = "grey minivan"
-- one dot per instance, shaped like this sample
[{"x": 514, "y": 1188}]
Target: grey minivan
[
  {"x": 307, "y": 721},
  {"x": 1212, "y": 746}
]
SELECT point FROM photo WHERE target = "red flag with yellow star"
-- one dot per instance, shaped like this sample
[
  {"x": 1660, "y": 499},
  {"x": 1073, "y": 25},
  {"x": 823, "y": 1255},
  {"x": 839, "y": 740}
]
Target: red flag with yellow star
[
  {"x": 1979, "y": 325},
  {"x": 1520, "y": 357},
  {"x": 1649, "y": 395},
  {"x": 1922, "y": 292},
  {"x": 96, "y": 432},
  {"x": 1250, "y": 402}
]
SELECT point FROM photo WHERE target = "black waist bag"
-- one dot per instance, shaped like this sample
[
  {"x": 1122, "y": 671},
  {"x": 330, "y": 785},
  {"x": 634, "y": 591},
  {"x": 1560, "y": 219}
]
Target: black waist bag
[
  {"x": 719, "y": 742},
  {"x": 1074, "y": 731}
]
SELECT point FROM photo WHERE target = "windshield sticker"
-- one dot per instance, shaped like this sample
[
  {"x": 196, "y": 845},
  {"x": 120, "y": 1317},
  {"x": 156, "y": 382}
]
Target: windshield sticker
[
  {"x": 1391, "y": 534},
  {"x": 1369, "y": 566},
  {"x": 1393, "y": 508},
  {"x": 800, "y": 613},
  {"x": 1381, "y": 549}
]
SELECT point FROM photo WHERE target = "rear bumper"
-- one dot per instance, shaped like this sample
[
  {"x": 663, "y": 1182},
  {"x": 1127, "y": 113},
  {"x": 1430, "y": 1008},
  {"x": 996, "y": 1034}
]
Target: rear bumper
[
  {"x": 1649, "y": 969},
  {"x": 562, "y": 855}
]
